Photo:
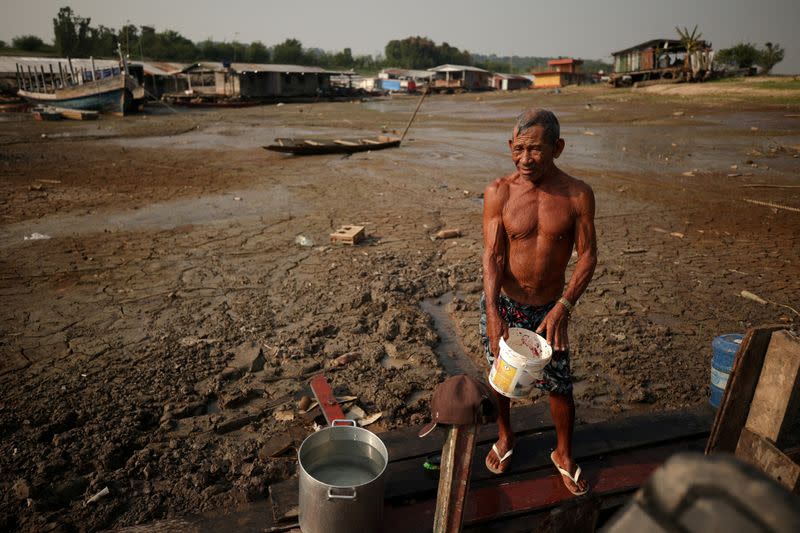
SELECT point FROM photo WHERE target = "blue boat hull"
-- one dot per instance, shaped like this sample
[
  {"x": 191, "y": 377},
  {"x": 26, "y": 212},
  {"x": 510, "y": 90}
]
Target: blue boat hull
[{"x": 109, "y": 102}]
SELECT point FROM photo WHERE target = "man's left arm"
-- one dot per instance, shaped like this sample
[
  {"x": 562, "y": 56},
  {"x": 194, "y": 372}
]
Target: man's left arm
[{"x": 557, "y": 320}]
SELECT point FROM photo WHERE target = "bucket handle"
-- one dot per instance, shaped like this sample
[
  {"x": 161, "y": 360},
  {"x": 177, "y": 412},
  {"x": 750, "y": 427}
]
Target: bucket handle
[
  {"x": 344, "y": 422},
  {"x": 332, "y": 496}
]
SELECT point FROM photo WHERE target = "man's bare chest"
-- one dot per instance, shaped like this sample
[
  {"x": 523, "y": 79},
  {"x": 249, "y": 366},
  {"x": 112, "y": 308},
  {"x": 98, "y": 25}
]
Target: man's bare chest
[{"x": 531, "y": 217}]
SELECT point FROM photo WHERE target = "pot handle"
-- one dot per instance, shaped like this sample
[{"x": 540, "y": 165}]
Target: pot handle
[
  {"x": 344, "y": 422},
  {"x": 332, "y": 496}
]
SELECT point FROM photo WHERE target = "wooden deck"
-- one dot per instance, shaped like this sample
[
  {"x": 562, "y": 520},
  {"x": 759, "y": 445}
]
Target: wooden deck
[{"x": 616, "y": 456}]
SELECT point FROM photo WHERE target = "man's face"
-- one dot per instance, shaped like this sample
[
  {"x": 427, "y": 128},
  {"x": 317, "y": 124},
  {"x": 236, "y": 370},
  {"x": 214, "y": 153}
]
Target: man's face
[{"x": 532, "y": 154}]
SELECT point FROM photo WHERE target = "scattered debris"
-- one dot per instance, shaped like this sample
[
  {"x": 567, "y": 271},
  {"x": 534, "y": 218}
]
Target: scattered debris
[
  {"x": 103, "y": 493},
  {"x": 677, "y": 234},
  {"x": 345, "y": 358},
  {"x": 756, "y": 298},
  {"x": 348, "y": 234},
  {"x": 734, "y": 174},
  {"x": 36, "y": 237},
  {"x": 754, "y": 128},
  {"x": 284, "y": 416},
  {"x": 448, "y": 233},
  {"x": 355, "y": 413},
  {"x": 371, "y": 419},
  {"x": 303, "y": 404},
  {"x": 587, "y": 132},
  {"x": 678, "y": 113},
  {"x": 275, "y": 446},
  {"x": 773, "y": 205},
  {"x": 634, "y": 251},
  {"x": 237, "y": 198},
  {"x": 302, "y": 240}
]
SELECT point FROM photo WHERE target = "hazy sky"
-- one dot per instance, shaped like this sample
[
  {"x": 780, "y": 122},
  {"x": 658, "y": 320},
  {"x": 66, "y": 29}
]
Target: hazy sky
[{"x": 589, "y": 29}]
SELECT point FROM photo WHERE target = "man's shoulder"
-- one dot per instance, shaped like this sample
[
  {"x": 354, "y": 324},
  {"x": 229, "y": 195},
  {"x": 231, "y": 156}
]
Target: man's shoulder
[
  {"x": 500, "y": 185},
  {"x": 576, "y": 186}
]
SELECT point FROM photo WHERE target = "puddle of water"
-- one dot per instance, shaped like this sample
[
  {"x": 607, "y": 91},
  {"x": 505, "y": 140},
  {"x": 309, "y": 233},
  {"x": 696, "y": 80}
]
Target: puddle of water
[
  {"x": 449, "y": 351},
  {"x": 273, "y": 203}
]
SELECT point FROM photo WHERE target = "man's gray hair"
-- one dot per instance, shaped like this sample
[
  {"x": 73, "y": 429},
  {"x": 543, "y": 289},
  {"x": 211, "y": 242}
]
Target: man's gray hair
[{"x": 539, "y": 117}]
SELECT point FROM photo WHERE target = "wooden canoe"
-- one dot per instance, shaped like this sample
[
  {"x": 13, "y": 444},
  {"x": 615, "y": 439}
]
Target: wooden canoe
[{"x": 331, "y": 146}]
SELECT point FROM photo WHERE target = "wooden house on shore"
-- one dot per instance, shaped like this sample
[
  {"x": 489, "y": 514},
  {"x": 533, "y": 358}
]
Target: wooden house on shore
[
  {"x": 461, "y": 78},
  {"x": 253, "y": 81},
  {"x": 560, "y": 72},
  {"x": 659, "y": 60}
]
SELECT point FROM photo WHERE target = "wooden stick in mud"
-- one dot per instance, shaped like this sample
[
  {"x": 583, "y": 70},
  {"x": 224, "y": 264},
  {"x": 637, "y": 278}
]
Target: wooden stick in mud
[{"x": 419, "y": 104}]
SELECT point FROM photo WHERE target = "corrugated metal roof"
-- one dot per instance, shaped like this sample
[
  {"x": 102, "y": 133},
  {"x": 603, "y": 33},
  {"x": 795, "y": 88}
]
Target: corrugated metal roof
[
  {"x": 411, "y": 73},
  {"x": 160, "y": 68},
  {"x": 661, "y": 43},
  {"x": 456, "y": 68},
  {"x": 8, "y": 64},
  {"x": 564, "y": 61},
  {"x": 260, "y": 67},
  {"x": 510, "y": 76}
]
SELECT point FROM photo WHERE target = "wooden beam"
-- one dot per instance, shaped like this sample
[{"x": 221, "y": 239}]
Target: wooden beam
[
  {"x": 774, "y": 410},
  {"x": 763, "y": 454},
  {"x": 738, "y": 394},
  {"x": 327, "y": 401},
  {"x": 454, "y": 475}
]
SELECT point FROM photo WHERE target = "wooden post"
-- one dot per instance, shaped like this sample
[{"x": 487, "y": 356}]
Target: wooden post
[
  {"x": 35, "y": 78},
  {"x": 91, "y": 58},
  {"x": 776, "y": 401},
  {"x": 71, "y": 71},
  {"x": 735, "y": 405},
  {"x": 44, "y": 80},
  {"x": 19, "y": 81},
  {"x": 52, "y": 77},
  {"x": 419, "y": 104},
  {"x": 454, "y": 473}
]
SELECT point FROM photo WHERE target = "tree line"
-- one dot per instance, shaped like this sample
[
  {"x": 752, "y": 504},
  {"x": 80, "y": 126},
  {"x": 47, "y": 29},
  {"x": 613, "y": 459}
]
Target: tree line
[{"x": 75, "y": 36}]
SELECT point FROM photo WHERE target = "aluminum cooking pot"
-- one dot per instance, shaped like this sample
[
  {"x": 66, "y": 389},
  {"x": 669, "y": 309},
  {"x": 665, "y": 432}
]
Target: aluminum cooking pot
[{"x": 342, "y": 470}]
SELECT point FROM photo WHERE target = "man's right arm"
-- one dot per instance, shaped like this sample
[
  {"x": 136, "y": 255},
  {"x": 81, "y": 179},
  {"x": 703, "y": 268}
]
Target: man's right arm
[{"x": 494, "y": 258}]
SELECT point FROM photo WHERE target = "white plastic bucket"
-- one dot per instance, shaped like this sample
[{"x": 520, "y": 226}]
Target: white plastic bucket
[{"x": 519, "y": 363}]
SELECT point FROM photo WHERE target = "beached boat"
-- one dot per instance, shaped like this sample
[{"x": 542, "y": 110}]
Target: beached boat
[
  {"x": 111, "y": 90},
  {"x": 114, "y": 94},
  {"x": 331, "y": 146}
]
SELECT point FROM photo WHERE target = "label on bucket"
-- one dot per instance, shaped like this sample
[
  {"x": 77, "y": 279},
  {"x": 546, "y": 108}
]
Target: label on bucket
[
  {"x": 719, "y": 379},
  {"x": 503, "y": 376}
]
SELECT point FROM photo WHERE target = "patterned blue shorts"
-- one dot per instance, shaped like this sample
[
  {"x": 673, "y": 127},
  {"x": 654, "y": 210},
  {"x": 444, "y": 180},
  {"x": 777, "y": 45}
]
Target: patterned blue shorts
[{"x": 556, "y": 375}]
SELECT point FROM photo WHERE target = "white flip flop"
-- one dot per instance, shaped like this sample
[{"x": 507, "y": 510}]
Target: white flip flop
[
  {"x": 502, "y": 460},
  {"x": 571, "y": 478}
]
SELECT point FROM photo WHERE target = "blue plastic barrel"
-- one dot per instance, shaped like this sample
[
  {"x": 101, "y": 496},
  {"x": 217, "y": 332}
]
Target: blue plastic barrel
[{"x": 725, "y": 348}]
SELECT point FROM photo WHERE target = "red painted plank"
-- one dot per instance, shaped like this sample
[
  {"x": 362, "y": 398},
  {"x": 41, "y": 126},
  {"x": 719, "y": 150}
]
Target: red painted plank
[
  {"x": 543, "y": 490},
  {"x": 327, "y": 401}
]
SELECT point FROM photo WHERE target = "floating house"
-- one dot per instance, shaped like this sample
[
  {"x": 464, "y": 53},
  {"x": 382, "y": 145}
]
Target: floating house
[
  {"x": 510, "y": 82},
  {"x": 560, "y": 72},
  {"x": 660, "y": 59},
  {"x": 161, "y": 77},
  {"x": 399, "y": 79},
  {"x": 460, "y": 77},
  {"x": 256, "y": 81}
]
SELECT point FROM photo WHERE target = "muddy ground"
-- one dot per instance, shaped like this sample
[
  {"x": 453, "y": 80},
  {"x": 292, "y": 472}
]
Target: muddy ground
[{"x": 158, "y": 341}]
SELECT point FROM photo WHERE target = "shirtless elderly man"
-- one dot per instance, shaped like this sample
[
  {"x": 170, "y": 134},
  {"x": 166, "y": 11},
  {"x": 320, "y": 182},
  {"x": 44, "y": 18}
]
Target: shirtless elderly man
[{"x": 531, "y": 221}]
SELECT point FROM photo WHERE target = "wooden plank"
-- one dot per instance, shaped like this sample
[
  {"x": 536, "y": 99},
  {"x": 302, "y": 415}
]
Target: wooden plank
[
  {"x": 327, "y": 401},
  {"x": 406, "y": 478},
  {"x": 532, "y": 452},
  {"x": 454, "y": 478},
  {"x": 348, "y": 234},
  {"x": 541, "y": 491},
  {"x": 760, "y": 452},
  {"x": 345, "y": 143},
  {"x": 738, "y": 394},
  {"x": 404, "y": 443},
  {"x": 774, "y": 409}
]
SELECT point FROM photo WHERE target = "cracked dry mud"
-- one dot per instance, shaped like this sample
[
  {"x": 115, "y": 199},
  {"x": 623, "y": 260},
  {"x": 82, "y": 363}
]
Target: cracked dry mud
[{"x": 158, "y": 342}]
